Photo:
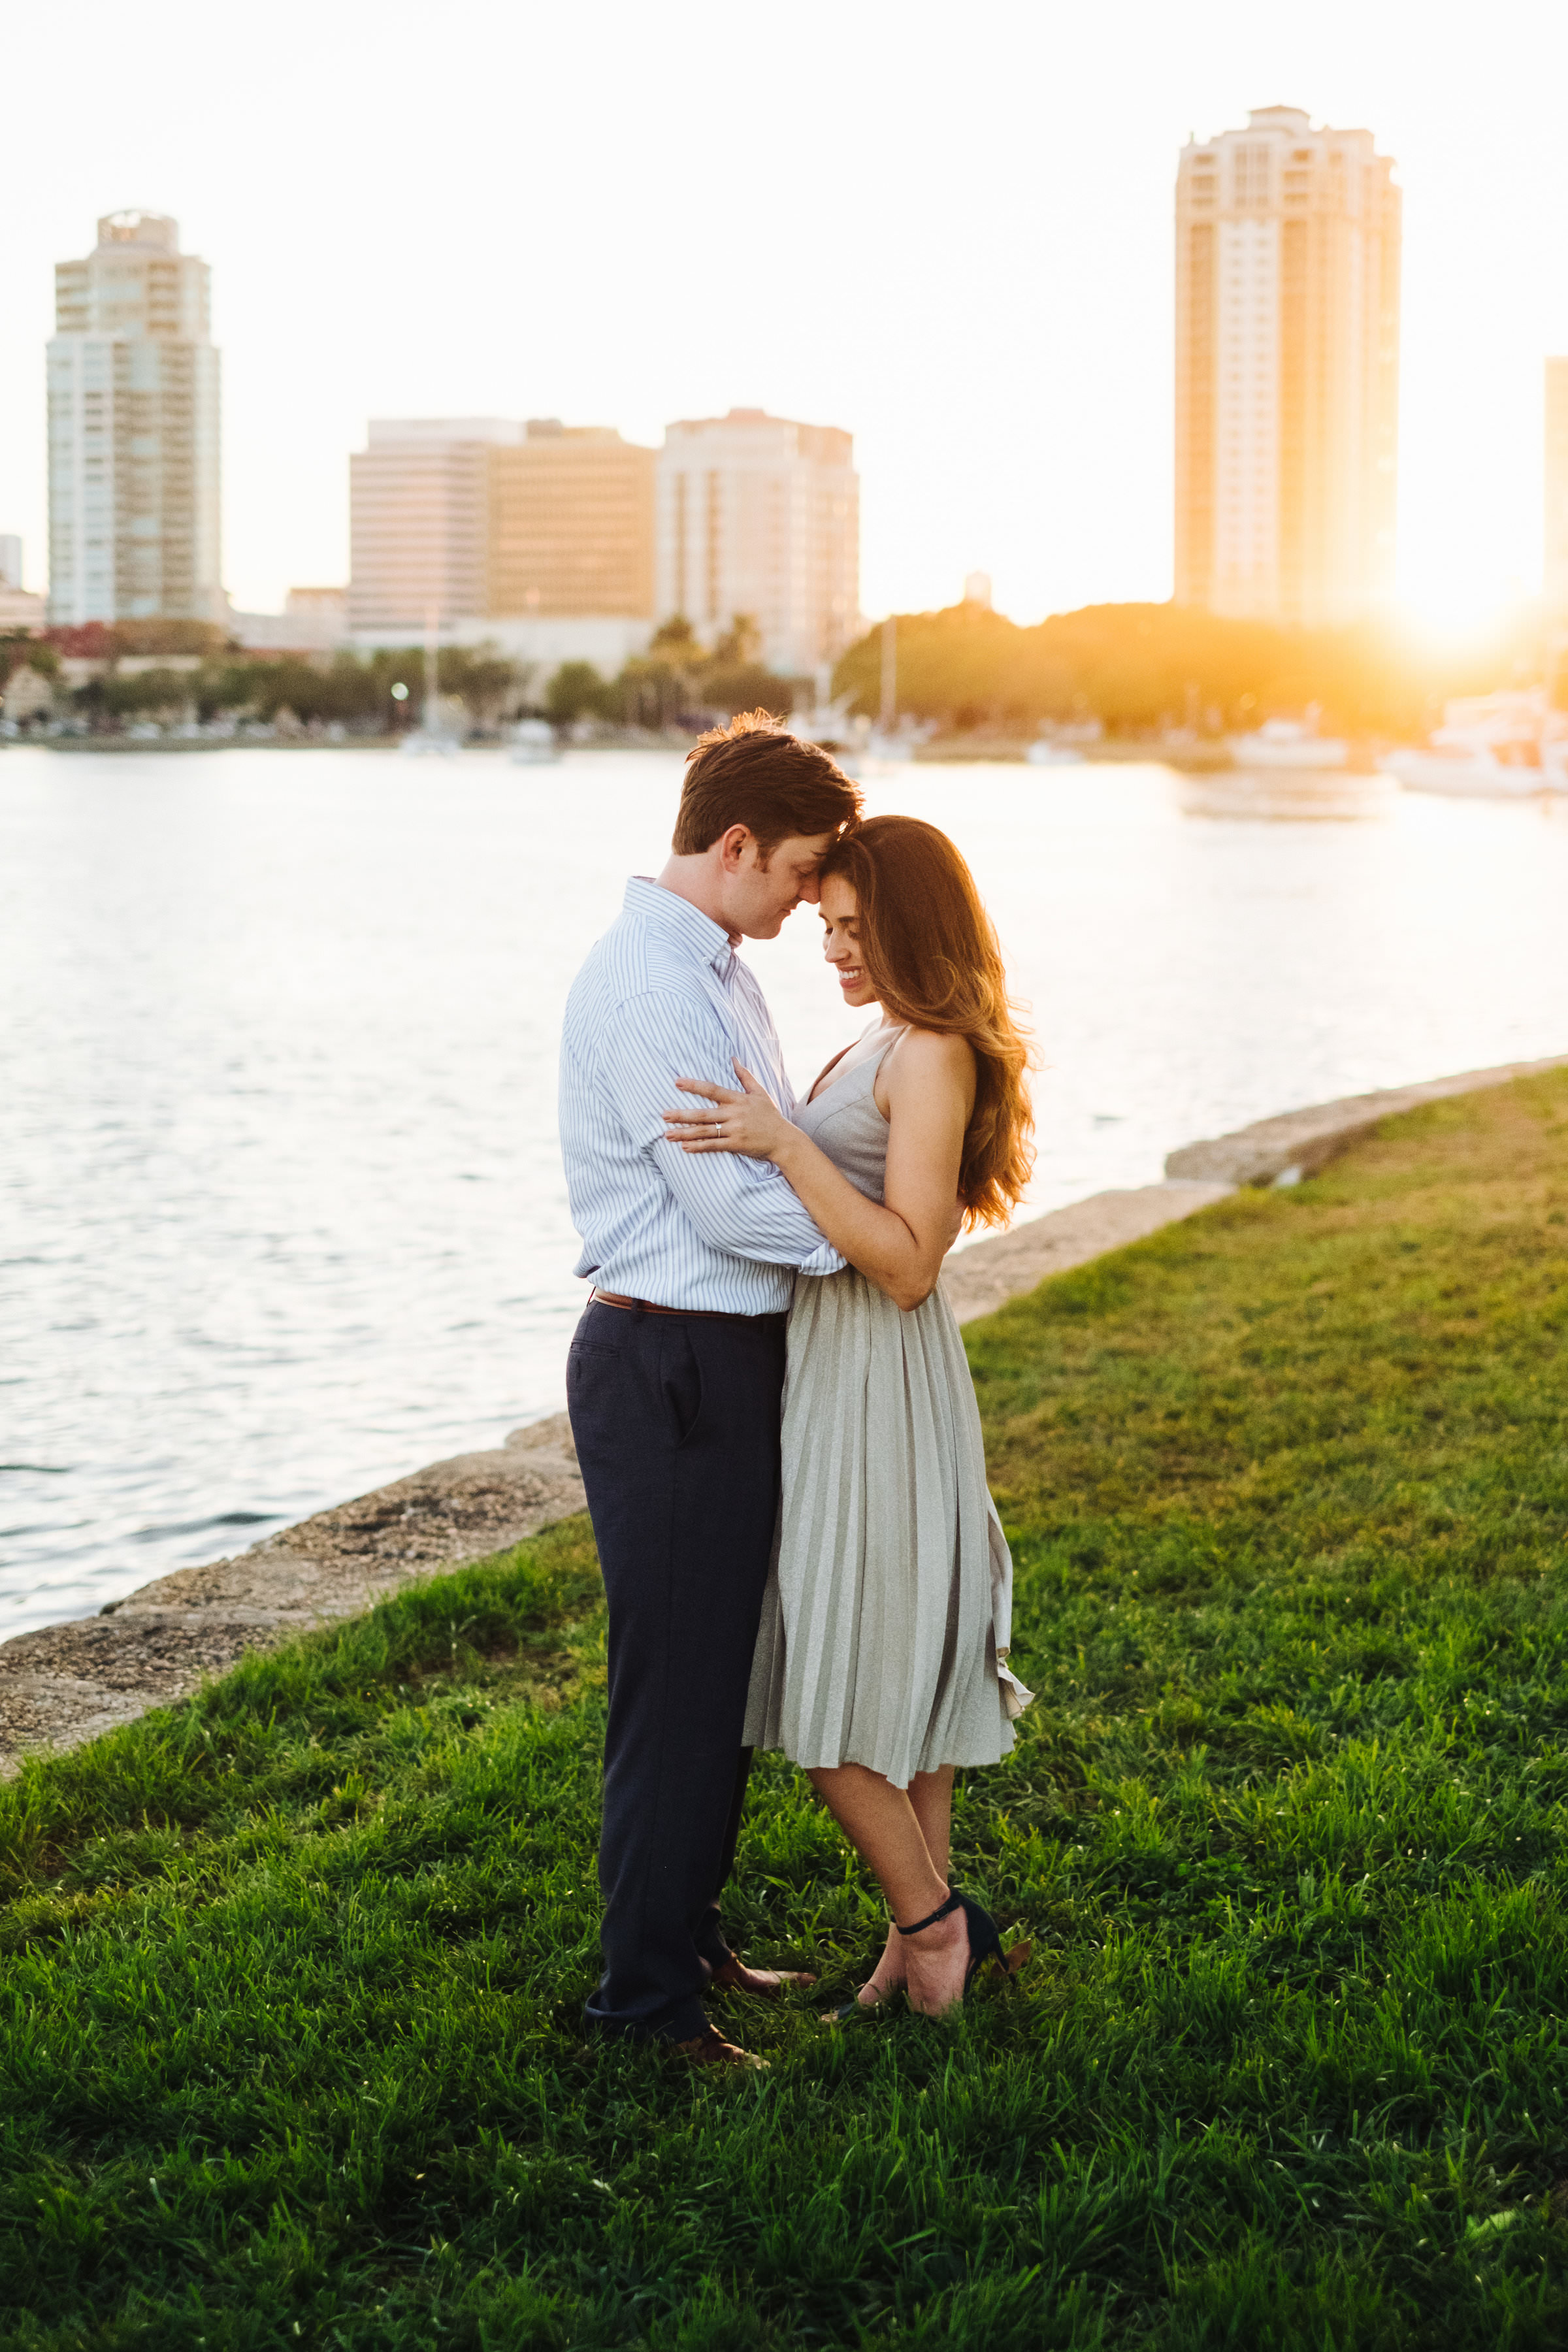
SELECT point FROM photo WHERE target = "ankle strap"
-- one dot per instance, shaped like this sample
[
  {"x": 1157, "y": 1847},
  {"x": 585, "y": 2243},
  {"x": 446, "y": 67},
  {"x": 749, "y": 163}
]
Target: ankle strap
[{"x": 941, "y": 1911}]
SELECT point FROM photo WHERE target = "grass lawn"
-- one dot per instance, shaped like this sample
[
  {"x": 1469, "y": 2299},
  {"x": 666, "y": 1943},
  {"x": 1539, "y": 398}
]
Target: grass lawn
[{"x": 290, "y": 1976}]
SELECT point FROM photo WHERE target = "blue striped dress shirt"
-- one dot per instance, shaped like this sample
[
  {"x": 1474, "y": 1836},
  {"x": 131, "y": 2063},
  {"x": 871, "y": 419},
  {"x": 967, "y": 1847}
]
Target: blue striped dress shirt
[{"x": 663, "y": 996}]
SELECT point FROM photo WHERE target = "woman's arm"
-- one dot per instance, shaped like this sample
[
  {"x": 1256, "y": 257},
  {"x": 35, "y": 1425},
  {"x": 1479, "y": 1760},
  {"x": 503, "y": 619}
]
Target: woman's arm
[{"x": 929, "y": 1084}]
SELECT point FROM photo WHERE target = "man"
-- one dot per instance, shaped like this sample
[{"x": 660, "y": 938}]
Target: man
[{"x": 675, "y": 1371}]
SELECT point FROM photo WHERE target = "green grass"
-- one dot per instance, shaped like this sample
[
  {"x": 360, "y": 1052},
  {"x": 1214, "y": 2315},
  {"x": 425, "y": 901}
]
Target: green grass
[{"x": 290, "y": 1976}]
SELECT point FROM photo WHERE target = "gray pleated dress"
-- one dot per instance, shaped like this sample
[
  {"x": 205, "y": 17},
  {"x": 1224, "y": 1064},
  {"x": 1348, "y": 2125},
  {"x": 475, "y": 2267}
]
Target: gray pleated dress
[{"x": 891, "y": 1587}]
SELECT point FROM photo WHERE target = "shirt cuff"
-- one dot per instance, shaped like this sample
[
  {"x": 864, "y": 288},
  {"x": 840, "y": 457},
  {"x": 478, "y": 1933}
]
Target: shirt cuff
[{"x": 826, "y": 1260}]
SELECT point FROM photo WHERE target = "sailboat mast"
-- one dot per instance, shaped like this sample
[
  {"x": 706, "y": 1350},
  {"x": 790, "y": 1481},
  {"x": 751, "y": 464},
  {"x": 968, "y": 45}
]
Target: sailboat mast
[{"x": 432, "y": 653}]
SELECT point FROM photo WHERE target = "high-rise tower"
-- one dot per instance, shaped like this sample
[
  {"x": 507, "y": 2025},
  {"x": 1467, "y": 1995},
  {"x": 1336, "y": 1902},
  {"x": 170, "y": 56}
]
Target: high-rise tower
[
  {"x": 133, "y": 431},
  {"x": 1287, "y": 372}
]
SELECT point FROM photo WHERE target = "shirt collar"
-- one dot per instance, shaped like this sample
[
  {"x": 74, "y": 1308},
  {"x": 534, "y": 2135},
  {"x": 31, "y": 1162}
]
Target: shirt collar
[{"x": 680, "y": 921}]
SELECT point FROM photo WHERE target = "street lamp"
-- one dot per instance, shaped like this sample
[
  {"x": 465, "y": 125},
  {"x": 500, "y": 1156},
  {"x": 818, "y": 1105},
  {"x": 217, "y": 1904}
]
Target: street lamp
[{"x": 399, "y": 696}]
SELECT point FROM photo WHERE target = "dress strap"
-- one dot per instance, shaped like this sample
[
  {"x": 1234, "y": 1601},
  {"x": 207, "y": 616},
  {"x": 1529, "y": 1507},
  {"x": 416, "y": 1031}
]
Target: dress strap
[{"x": 872, "y": 1061}]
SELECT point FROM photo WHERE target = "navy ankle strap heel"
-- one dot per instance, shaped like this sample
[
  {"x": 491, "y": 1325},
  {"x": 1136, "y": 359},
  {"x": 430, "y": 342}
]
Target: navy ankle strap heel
[{"x": 984, "y": 1942}]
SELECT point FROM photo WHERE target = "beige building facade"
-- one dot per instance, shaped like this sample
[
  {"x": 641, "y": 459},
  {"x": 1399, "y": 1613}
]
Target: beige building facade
[
  {"x": 1288, "y": 259},
  {"x": 760, "y": 515},
  {"x": 1557, "y": 489},
  {"x": 419, "y": 521},
  {"x": 133, "y": 392},
  {"x": 496, "y": 528},
  {"x": 19, "y": 609},
  {"x": 571, "y": 525}
]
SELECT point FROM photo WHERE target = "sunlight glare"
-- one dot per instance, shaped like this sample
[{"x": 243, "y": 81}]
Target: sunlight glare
[{"x": 1453, "y": 611}]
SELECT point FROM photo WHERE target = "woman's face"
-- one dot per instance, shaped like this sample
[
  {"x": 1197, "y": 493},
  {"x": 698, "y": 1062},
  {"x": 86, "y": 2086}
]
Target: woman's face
[{"x": 841, "y": 940}]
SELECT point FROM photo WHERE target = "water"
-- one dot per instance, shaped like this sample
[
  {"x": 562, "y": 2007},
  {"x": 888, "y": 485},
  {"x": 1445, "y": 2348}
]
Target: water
[{"x": 280, "y": 1210}]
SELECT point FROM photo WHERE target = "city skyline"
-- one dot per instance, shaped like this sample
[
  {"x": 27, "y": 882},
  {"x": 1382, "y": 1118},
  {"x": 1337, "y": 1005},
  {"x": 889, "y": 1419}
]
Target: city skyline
[
  {"x": 566, "y": 541},
  {"x": 969, "y": 268}
]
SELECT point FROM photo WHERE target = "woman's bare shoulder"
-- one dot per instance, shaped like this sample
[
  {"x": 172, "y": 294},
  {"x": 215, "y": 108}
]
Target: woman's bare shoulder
[
  {"x": 930, "y": 1050},
  {"x": 927, "y": 1058}
]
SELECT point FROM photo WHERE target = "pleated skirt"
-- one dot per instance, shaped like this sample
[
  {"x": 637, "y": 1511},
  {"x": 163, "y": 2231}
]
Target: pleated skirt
[{"x": 890, "y": 1572}]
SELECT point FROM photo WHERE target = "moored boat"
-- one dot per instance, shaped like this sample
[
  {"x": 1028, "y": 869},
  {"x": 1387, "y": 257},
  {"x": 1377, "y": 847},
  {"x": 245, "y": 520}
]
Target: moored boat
[
  {"x": 1473, "y": 772},
  {"x": 1288, "y": 743},
  {"x": 1505, "y": 746},
  {"x": 533, "y": 744}
]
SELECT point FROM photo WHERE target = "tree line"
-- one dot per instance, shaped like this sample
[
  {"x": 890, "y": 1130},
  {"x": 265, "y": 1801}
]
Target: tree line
[
  {"x": 1134, "y": 669},
  {"x": 677, "y": 680},
  {"x": 1139, "y": 668}
]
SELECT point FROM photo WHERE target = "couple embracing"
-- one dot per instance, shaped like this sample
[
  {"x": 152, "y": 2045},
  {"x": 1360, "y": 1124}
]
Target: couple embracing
[{"x": 770, "y": 1400}]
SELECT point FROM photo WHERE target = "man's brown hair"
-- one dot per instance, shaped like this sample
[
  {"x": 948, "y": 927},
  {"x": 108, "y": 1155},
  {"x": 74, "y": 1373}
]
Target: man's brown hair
[{"x": 756, "y": 773}]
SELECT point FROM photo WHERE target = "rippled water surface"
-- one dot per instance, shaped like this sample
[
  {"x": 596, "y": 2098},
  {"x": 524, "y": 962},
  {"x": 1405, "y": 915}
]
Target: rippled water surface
[{"x": 280, "y": 1210}]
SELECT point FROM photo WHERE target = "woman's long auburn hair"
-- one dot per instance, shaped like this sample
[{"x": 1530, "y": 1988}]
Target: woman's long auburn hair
[{"x": 931, "y": 952}]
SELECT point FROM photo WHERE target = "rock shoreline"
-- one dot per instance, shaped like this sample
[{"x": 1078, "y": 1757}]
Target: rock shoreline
[{"x": 62, "y": 1685}]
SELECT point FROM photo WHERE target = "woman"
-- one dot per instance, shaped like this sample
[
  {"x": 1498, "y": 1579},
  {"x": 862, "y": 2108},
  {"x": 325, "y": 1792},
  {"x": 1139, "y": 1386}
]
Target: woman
[{"x": 880, "y": 1661}]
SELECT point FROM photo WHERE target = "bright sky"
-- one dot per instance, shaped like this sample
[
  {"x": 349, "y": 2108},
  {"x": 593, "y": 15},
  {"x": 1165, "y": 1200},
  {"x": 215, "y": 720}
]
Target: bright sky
[{"x": 948, "y": 229}]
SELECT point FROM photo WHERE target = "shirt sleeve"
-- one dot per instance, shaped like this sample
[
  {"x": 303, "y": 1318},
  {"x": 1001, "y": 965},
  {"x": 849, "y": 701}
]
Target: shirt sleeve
[{"x": 743, "y": 1207}]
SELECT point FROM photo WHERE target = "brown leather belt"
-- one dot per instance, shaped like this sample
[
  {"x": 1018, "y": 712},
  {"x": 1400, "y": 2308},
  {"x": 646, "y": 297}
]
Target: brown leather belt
[{"x": 651, "y": 1306}]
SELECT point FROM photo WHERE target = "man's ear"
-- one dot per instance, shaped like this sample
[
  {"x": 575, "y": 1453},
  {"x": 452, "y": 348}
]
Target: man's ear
[{"x": 732, "y": 848}]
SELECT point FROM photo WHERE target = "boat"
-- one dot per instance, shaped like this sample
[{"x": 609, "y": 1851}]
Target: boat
[
  {"x": 1288, "y": 743},
  {"x": 1283, "y": 795},
  {"x": 1470, "y": 771},
  {"x": 1507, "y": 746},
  {"x": 534, "y": 743},
  {"x": 830, "y": 725},
  {"x": 423, "y": 743}
]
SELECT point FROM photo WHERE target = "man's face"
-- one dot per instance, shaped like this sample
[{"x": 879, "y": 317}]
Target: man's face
[{"x": 758, "y": 897}]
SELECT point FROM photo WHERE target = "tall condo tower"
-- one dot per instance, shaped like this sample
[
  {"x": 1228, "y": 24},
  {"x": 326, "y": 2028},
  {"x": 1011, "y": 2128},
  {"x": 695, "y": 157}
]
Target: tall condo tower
[
  {"x": 761, "y": 516},
  {"x": 1556, "y": 575},
  {"x": 133, "y": 431},
  {"x": 1287, "y": 372}
]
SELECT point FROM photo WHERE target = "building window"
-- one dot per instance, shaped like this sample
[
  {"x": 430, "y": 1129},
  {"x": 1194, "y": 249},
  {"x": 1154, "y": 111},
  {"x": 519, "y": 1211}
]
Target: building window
[{"x": 1250, "y": 178}]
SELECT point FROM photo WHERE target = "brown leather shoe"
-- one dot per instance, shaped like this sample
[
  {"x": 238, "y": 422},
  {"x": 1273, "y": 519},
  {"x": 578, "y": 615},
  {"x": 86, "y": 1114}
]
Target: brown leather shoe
[
  {"x": 709, "y": 2048},
  {"x": 766, "y": 1983}
]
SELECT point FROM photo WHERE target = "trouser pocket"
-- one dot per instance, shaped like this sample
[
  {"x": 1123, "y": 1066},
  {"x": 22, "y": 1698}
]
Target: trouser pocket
[{"x": 680, "y": 1384}]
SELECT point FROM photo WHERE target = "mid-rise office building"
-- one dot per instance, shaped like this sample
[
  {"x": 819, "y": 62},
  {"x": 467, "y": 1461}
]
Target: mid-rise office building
[
  {"x": 313, "y": 621},
  {"x": 759, "y": 515},
  {"x": 538, "y": 536},
  {"x": 1556, "y": 487},
  {"x": 18, "y": 610},
  {"x": 419, "y": 519},
  {"x": 570, "y": 524},
  {"x": 1288, "y": 249},
  {"x": 133, "y": 431}
]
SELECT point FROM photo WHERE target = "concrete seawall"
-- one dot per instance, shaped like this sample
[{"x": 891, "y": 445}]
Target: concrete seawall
[{"x": 61, "y": 1685}]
